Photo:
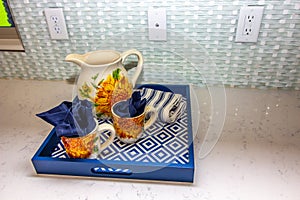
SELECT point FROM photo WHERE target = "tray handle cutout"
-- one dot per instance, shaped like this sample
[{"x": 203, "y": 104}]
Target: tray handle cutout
[{"x": 108, "y": 170}]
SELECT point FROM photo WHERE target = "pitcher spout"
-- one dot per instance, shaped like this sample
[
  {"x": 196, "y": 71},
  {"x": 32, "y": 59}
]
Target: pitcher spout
[{"x": 75, "y": 58}]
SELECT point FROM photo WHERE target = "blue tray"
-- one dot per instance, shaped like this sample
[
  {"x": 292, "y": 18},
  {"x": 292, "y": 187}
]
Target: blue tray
[{"x": 164, "y": 153}]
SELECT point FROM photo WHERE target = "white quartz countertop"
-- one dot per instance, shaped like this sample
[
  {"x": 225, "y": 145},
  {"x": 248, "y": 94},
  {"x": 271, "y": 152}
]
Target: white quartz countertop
[{"x": 256, "y": 157}]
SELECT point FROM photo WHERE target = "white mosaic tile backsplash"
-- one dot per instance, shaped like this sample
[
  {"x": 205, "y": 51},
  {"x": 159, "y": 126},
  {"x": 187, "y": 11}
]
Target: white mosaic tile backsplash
[{"x": 196, "y": 29}]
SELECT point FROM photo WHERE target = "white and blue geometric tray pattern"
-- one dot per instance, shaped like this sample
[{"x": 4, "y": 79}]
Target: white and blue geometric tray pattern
[{"x": 161, "y": 143}]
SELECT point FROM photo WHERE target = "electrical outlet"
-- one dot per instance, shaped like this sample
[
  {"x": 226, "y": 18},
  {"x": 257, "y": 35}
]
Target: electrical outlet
[
  {"x": 249, "y": 24},
  {"x": 157, "y": 24},
  {"x": 56, "y": 23}
]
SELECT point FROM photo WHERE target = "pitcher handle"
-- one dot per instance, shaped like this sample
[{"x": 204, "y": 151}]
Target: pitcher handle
[{"x": 139, "y": 66}]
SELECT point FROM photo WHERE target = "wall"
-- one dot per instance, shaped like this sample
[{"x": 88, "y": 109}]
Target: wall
[{"x": 209, "y": 26}]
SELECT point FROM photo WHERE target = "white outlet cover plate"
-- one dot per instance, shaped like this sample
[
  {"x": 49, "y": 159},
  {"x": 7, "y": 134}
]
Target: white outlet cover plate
[
  {"x": 56, "y": 23},
  {"x": 257, "y": 12},
  {"x": 157, "y": 24}
]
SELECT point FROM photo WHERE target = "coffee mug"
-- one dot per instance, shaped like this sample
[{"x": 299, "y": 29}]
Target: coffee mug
[
  {"x": 130, "y": 129},
  {"x": 88, "y": 146}
]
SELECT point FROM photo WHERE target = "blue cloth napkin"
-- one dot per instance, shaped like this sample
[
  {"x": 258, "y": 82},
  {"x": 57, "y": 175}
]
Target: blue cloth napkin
[
  {"x": 136, "y": 104},
  {"x": 131, "y": 107},
  {"x": 169, "y": 105},
  {"x": 71, "y": 119},
  {"x": 121, "y": 109}
]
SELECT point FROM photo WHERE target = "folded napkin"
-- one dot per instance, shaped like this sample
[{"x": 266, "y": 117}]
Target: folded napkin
[
  {"x": 131, "y": 107},
  {"x": 71, "y": 119},
  {"x": 169, "y": 105},
  {"x": 136, "y": 104}
]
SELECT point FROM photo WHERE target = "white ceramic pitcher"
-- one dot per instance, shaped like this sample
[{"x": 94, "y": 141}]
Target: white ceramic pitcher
[{"x": 103, "y": 78}]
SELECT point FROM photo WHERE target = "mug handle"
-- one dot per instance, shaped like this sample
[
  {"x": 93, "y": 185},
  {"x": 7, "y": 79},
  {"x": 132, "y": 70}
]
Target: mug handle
[
  {"x": 153, "y": 116},
  {"x": 139, "y": 66},
  {"x": 106, "y": 127}
]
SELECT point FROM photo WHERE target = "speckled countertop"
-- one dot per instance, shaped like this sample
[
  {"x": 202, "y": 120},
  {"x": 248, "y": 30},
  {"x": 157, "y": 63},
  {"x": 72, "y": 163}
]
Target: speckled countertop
[{"x": 256, "y": 157}]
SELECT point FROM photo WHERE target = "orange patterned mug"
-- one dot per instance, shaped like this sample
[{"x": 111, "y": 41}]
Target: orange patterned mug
[
  {"x": 88, "y": 146},
  {"x": 130, "y": 129}
]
